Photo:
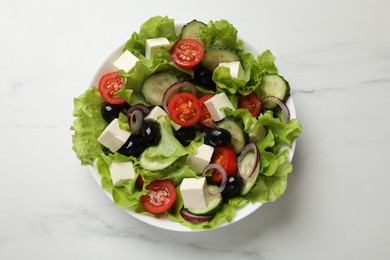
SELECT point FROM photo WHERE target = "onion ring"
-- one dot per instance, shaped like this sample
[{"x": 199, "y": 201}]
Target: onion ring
[
  {"x": 223, "y": 174},
  {"x": 175, "y": 88},
  {"x": 281, "y": 104},
  {"x": 142, "y": 107},
  {"x": 135, "y": 119},
  {"x": 249, "y": 147},
  {"x": 194, "y": 218}
]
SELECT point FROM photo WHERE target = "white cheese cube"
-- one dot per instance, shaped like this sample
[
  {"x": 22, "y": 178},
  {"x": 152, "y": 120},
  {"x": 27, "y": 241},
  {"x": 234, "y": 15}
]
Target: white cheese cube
[
  {"x": 194, "y": 192},
  {"x": 215, "y": 104},
  {"x": 155, "y": 113},
  {"x": 235, "y": 67},
  {"x": 154, "y": 44},
  {"x": 121, "y": 172},
  {"x": 126, "y": 61},
  {"x": 201, "y": 158},
  {"x": 113, "y": 137}
]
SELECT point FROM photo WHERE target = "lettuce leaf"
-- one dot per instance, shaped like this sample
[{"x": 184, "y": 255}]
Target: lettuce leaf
[
  {"x": 221, "y": 33},
  {"x": 87, "y": 126},
  {"x": 284, "y": 134},
  {"x": 169, "y": 149},
  {"x": 155, "y": 27}
]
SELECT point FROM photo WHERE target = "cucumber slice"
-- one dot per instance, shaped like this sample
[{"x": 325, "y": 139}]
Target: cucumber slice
[
  {"x": 154, "y": 87},
  {"x": 246, "y": 166},
  {"x": 214, "y": 202},
  {"x": 236, "y": 129},
  {"x": 155, "y": 163},
  {"x": 274, "y": 85},
  {"x": 217, "y": 54},
  {"x": 192, "y": 30}
]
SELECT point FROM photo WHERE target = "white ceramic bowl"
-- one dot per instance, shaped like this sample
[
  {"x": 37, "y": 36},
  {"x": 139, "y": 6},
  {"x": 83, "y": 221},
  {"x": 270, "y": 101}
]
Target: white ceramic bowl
[{"x": 164, "y": 223}]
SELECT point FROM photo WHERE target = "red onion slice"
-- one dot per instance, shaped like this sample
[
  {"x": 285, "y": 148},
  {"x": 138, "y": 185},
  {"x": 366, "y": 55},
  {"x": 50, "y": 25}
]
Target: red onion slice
[
  {"x": 175, "y": 88},
  {"x": 218, "y": 167},
  {"x": 135, "y": 119},
  {"x": 249, "y": 147},
  {"x": 281, "y": 104},
  {"x": 194, "y": 218},
  {"x": 142, "y": 107}
]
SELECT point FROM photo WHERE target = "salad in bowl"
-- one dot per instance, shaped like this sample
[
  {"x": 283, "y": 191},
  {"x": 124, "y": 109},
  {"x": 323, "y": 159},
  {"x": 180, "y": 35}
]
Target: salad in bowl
[{"x": 184, "y": 126}]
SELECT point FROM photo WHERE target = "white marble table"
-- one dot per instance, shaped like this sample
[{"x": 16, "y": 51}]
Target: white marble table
[{"x": 336, "y": 55}]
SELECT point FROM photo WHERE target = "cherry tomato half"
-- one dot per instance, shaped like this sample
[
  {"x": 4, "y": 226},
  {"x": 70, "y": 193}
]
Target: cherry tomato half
[
  {"x": 162, "y": 195},
  {"x": 187, "y": 53},
  {"x": 225, "y": 157},
  {"x": 205, "y": 118},
  {"x": 109, "y": 84},
  {"x": 251, "y": 102},
  {"x": 184, "y": 109}
]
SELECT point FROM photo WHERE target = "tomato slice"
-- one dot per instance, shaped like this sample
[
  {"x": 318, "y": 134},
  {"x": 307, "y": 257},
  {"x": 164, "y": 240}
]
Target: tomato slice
[
  {"x": 225, "y": 157},
  {"x": 109, "y": 84},
  {"x": 205, "y": 118},
  {"x": 184, "y": 109},
  {"x": 162, "y": 195},
  {"x": 251, "y": 102},
  {"x": 187, "y": 53}
]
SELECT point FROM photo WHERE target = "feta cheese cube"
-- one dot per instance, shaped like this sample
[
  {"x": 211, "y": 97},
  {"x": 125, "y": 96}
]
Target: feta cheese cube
[
  {"x": 155, "y": 113},
  {"x": 194, "y": 192},
  {"x": 215, "y": 104},
  {"x": 154, "y": 44},
  {"x": 201, "y": 158},
  {"x": 235, "y": 67},
  {"x": 126, "y": 61},
  {"x": 121, "y": 172},
  {"x": 113, "y": 137}
]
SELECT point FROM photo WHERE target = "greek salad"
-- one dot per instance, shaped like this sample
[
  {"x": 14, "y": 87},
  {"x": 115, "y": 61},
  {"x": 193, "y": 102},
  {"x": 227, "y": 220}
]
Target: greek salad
[{"x": 189, "y": 125}]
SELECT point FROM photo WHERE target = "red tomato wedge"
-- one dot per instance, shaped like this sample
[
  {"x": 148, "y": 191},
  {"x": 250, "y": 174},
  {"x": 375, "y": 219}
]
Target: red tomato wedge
[
  {"x": 187, "y": 53},
  {"x": 109, "y": 84},
  {"x": 162, "y": 195},
  {"x": 184, "y": 109},
  {"x": 225, "y": 157},
  {"x": 205, "y": 118},
  {"x": 251, "y": 102}
]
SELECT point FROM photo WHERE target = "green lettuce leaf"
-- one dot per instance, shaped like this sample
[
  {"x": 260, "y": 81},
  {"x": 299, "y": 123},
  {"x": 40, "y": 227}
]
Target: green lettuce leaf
[
  {"x": 221, "y": 33},
  {"x": 224, "y": 80},
  {"x": 169, "y": 149},
  {"x": 266, "y": 62},
  {"x": 155, "y": 27},
  {"x": 284, "y": 134},
  {"x": 126, "y": 196},
  {"x": 87, "y": 126}
]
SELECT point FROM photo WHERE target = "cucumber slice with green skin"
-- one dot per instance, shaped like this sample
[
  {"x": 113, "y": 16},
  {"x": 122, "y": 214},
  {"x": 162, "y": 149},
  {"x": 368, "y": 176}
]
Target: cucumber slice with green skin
[
  {"x": 239, "y": 138},
  {"x": 213, "y": 202},
  {"x": 155, "y": 163},
  {"x": 192, "y": 30},
  {"x": 154, "y": 87},
  {"x": 246, "y": 166},
  {"x": 216, "y": 54},
  {"x": 274, "y": 85}
]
